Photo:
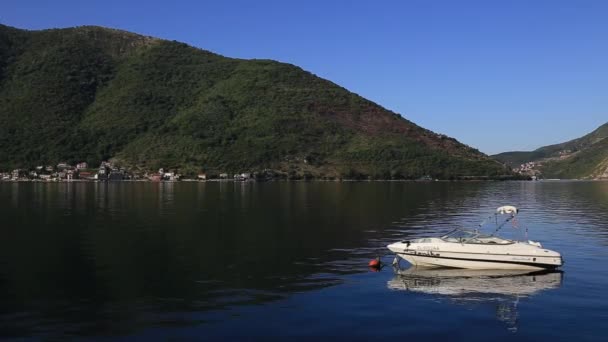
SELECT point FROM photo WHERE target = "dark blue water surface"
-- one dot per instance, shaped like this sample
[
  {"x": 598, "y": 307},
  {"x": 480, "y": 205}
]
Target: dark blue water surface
[{"x": 288, "y": 260}]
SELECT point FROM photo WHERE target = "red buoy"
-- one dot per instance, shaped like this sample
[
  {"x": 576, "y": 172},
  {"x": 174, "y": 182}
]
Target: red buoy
[{"x": 375, "y": 263}]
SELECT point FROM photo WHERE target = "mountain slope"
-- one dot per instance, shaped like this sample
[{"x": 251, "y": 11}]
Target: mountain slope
[
  {"x": 91, "y": 93},
  {"x": 590, "y": 162},
  {"x": 584, "y": 157}
]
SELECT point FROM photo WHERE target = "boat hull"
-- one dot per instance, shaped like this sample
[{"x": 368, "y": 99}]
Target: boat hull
[
  {"x": 433, "y": 252},
  {"x": 474, "y": 262}
]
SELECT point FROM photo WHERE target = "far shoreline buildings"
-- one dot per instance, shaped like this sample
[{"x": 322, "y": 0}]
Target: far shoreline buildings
[{"x": 107, "y": 171}]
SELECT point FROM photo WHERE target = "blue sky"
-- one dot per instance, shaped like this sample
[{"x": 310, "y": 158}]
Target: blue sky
[{"x": 497, "y": 75}]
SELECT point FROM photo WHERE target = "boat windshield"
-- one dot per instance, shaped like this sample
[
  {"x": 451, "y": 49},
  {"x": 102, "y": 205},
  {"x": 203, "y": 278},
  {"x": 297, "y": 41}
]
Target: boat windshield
[
  {"x": 459, "y": 235},
  {"x": 468, "y": 236}
]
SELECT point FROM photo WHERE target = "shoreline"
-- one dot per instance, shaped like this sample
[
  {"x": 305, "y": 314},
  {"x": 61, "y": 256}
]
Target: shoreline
[{"x": 290, "y": 180}]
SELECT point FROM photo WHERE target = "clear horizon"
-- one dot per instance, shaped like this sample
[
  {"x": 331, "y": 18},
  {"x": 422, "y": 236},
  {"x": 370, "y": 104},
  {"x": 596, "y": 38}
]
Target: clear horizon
[{"x": 498, "y": 77}]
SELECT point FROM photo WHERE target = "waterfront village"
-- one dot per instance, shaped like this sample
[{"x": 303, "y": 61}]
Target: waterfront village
[
  {"x": 107, "y": 171},
  {"x": 530, "y": 169}
]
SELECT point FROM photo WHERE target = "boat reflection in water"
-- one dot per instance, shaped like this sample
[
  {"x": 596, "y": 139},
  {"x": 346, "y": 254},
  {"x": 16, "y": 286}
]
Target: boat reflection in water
[{"x": 504, "y": 288}]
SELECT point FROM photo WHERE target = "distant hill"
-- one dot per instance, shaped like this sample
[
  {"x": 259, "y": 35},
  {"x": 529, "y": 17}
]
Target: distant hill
[
  {"x": 93, "y": 93},
  {"x": 585, "y": 157}
]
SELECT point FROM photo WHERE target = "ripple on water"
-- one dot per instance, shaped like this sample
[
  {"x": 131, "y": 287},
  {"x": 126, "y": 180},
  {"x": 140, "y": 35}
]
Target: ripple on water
[{"x": 203, "y": 259}]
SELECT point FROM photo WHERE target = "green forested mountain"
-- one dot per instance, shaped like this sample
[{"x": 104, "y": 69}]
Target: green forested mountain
[
  {"x": 584, "y": 157},
  {"x": 92, "y": 93}
]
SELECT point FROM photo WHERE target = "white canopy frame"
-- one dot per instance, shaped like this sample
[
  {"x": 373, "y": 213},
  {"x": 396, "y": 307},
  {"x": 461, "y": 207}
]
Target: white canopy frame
[
  {"x": 507, "y": 209},
  {"x": 510, "y": 210}
]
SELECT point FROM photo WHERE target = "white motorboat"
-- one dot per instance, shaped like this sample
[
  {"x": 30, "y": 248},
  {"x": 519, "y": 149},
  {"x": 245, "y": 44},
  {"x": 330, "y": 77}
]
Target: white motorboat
[{"x": 472, "y": 249}]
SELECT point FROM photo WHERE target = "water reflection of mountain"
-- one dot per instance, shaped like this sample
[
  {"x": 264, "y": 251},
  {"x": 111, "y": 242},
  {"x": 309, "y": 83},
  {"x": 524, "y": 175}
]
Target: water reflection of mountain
[
  {"x": 503, "y": 288},
  {"x": 126, "y": 255}
]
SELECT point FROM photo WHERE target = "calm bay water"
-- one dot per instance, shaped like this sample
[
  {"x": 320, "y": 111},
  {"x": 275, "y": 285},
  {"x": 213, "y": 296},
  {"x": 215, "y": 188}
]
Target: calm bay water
[{"x": 270, "y": 261}]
